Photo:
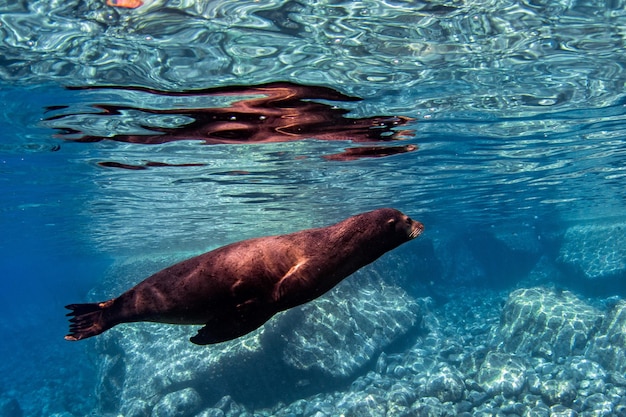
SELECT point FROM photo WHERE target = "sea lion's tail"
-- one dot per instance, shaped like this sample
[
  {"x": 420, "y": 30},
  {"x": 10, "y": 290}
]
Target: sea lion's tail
[{"x": 88, "y": 320}]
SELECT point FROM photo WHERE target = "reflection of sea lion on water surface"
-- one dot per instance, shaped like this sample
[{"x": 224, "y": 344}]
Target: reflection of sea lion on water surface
[
  {"x": 265, "y": 113},
  {"x": 234, "y": 289}
]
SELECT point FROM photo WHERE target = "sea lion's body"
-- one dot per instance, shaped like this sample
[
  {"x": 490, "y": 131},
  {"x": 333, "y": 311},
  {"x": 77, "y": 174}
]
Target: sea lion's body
[{"x": 236, "y": 288}]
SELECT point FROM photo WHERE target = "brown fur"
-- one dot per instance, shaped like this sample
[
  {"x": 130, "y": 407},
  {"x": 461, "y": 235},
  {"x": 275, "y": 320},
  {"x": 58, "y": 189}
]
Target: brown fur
[{"x": 236, "y": 288}]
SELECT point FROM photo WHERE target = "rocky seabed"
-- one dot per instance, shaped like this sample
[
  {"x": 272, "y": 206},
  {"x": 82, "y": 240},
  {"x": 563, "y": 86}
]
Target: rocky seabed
[
  {"x": 375, "y": 346},
  {"x": 543, "y": 352}
]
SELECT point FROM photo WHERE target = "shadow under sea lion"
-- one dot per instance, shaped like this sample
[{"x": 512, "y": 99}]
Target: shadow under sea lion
[{"x": 235, "y": 289}]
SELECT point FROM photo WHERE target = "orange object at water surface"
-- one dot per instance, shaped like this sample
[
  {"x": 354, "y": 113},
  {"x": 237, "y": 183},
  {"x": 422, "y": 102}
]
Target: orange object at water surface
[{"x": 127, "y": 4}]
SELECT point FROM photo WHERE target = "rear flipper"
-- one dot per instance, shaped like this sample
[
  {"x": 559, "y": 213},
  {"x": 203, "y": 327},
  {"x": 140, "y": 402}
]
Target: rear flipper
[{"x": 88, "y": 320}]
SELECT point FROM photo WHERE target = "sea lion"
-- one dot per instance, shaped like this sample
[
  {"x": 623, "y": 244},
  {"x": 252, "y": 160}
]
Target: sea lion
[{"x": 234, "y": 289}]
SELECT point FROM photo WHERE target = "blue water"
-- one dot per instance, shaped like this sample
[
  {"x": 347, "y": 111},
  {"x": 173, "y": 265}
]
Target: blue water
[{"x": 517, "y": 109}]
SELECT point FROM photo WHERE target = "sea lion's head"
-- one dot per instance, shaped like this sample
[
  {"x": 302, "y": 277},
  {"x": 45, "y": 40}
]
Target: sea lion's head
[
  {"x": 389, "y": 227},
  {"x": 377, "y": 231},
  {"x": 404, "y": 225}
]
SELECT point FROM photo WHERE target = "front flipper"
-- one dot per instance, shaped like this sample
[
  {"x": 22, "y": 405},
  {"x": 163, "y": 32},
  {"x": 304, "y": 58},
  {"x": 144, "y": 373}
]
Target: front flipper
[
  {"x": 225, "y": 329},
  {"x": 292, "y": 283},
  {"x": 295, "y": 287}
]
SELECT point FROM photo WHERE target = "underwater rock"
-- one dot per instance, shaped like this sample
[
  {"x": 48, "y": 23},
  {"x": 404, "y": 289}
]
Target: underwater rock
[
  {"x": 617, "y": 379},
  {"x": 446, "y": 384},
  {"x": 521, "y": 239},
  {"x": 459, "y": 266},
  {"x": 136, "y": 408},
  {"x": 495, "y": 258},
  {"x": 360, "y": 318},
  {"x": 598, "y": 405},
  {"x": 183, "y": 403},
  {"x": 538, "y": 411},
  {"x": 396, "y": 410},
  {"x": 361, "y": 404},
  {"x": 432, "y": 407},
  {"x": 111, "y": 376},
  {"x": 145, "y": 362},
  {"x": 10, "y": 407},
  {"x": 547, "y": 323},
  {"x": 211, "y": 412},
  {"x": 318, "y": 406},
  {"x": 502, "y": 373},
  {"x": 558, "y": 392},
  {"x": 595, "y": 250},
  {"x": 477, "y": 398},
  {"x": 545, "y": 270},
  {"x": 607, "y": 347},
  {"x": 588, "y": 375},
  {"x": 418, "y": 361},
  {"x": 401, "y": 394},
  {"x": 562, "y": 411}
]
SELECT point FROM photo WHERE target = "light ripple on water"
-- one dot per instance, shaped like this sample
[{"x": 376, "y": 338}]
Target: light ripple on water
[
  {"x": 539, "y": 55},
  {"x": 270, "y": 191},
  {"x": 515, "y": 103}
]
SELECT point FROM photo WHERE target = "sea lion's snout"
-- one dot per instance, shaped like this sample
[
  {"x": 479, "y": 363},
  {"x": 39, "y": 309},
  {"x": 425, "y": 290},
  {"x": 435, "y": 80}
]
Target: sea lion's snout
[{"x": 416, "y": 229}]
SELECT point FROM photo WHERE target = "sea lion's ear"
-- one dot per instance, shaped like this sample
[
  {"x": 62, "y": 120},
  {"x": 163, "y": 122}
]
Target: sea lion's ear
[{"x": 391, "y": 221}]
